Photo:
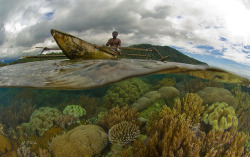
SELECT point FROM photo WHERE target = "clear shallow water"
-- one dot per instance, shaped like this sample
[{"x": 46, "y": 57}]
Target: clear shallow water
[
  {"x": 65, "y": 74},
  {"x": 98, "y": 86}
]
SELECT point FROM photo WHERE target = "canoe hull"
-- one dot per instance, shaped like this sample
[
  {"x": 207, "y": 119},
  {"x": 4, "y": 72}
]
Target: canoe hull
[{"x": 76, "y": 48}]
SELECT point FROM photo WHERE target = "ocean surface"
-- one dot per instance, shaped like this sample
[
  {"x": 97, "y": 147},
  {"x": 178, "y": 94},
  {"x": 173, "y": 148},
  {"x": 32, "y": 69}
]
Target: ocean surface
[{"x": 125, "y": 107}]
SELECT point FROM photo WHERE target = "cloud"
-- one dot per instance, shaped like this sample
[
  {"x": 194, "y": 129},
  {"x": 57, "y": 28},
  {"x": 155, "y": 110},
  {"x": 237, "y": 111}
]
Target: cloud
[{"x": 188, "y": 25}]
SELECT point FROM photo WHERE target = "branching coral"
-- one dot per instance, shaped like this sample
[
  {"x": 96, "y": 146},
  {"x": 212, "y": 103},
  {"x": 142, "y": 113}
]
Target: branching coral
[
  {"x": 229, "y": 143},
  {"x": 84, "y": 140},
  {"x": 90, "y": 104},
  {"x": 123, "y": 133},
  {"x": 220, "y": 116},
  {"x": 191, "y": 105},
  {"x": 24, "y": 151},
  {"x": 126, "y": 92},
  {"x": 16, "y": 114},
  {"x": 65, "y": 120},
  {"x": 117, "y": 115},
  {"x": 169, "y": 136}
]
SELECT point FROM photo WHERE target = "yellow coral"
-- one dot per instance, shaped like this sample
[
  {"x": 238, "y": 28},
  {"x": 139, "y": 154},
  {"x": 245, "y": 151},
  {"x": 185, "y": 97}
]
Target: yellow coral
[
  {"x": 5, "y": 144},
  {"x": 220, "y": 116},
  {"x": 84, "y": 140}
]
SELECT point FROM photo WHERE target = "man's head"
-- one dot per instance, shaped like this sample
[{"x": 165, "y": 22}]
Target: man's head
[{"x": 115, "y": 34}]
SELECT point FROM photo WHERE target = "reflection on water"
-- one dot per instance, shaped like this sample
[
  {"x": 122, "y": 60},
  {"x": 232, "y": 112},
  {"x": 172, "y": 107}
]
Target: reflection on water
[{"x": 172, "y": 109}]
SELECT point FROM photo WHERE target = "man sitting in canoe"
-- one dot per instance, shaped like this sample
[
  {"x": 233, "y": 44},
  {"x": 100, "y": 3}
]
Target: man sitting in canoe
[{"x": 114, "y": 43}]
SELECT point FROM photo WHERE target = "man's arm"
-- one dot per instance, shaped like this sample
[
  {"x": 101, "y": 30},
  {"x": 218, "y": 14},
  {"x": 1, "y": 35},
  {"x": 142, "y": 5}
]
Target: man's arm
[
  {"x": 108, "y": 43},
  {"x": 119, "y": 43}
]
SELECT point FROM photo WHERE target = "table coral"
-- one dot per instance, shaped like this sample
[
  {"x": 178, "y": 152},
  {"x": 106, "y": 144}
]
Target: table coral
[
  {"x": 123, "y": 133},
  {"x": 74, "y": 110},
  {"x": 220, "y": 116},
  {"x": 126, "y": 92},
  {"x": 84, "y": 140}
]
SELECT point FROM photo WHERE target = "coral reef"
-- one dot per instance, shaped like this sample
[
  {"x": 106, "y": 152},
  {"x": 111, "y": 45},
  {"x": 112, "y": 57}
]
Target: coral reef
[
  {"x": 149, "y": 98},
  {"x": 165, "y": 82},
  {"x": 24, "y": 151},
  {"x": 36, "y": 142},
  {"x": 196, "y": 84},
  {"x": 117, "y": 115},
  {"x": 242, "y": 98},
  {"x": 126, "y": 92},
  {"x": 43, "y": 153},
  {"x": 74, "y": 110},
  {"x": 5, "y": 144},
  {"x": 220, "y": 116},
  {"x": 211, "y": 95},
  {"x": 229, "y": 143},
  {"x": 41, "y": 120},
  {"x": 84, "y": 140},
  {"x": 154, "y": 108},
  {"x": 123, "y": 133},
  {"x": 168, "y": 136},
  {"x": 92, "y": 105},
  {"x": 191, "y": 105},
  {"x": 244, "y": 121},
  {"x": 16, "y": 114},
  {"x": 65, "y": 120}
]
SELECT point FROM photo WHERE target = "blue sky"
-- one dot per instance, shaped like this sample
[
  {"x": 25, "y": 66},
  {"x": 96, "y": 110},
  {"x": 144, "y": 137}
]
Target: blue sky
[{"x": 215, "y": 32}]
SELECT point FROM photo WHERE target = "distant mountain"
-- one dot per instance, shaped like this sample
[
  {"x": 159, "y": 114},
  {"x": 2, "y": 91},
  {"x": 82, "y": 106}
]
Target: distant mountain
[{"x": 173, "y": 54}]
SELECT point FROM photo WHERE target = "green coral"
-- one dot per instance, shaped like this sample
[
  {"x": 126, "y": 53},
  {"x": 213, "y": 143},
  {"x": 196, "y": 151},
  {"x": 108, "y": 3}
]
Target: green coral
[
  {"x": 126, "y": 92},
  {"x": 74, "y": 110},
  {"x": 154, "y": 108},
  {"x": 41, "y": 120},
  {"x": 220, "y": 116}
]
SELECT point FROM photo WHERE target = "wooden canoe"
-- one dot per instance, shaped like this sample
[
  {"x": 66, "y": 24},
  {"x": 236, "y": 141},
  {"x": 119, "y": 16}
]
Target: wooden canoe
[{"x": 76, "y": 48}]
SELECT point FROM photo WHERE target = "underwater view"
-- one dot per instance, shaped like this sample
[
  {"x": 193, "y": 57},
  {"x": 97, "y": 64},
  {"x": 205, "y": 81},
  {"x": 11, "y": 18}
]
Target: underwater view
[{"x": 163, "y": 110}]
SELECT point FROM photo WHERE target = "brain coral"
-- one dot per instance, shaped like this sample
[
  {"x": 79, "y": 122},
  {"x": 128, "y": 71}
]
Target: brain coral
[
  {"x": 84, "y": 140},
  {"x": 41, "y": 120},
  {"x": 126, "y": 92},
  {"x": 220, "y": 116},
  {"x": 123, "y": 133},
  {"x": 211, "y": 95}
]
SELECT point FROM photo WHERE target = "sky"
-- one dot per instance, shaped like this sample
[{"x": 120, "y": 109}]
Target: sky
[{"x": 213, "y": 31}]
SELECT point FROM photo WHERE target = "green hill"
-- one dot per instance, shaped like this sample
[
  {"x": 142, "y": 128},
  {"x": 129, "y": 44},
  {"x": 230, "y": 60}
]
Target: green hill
[{"x": 173, "y": 54}]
